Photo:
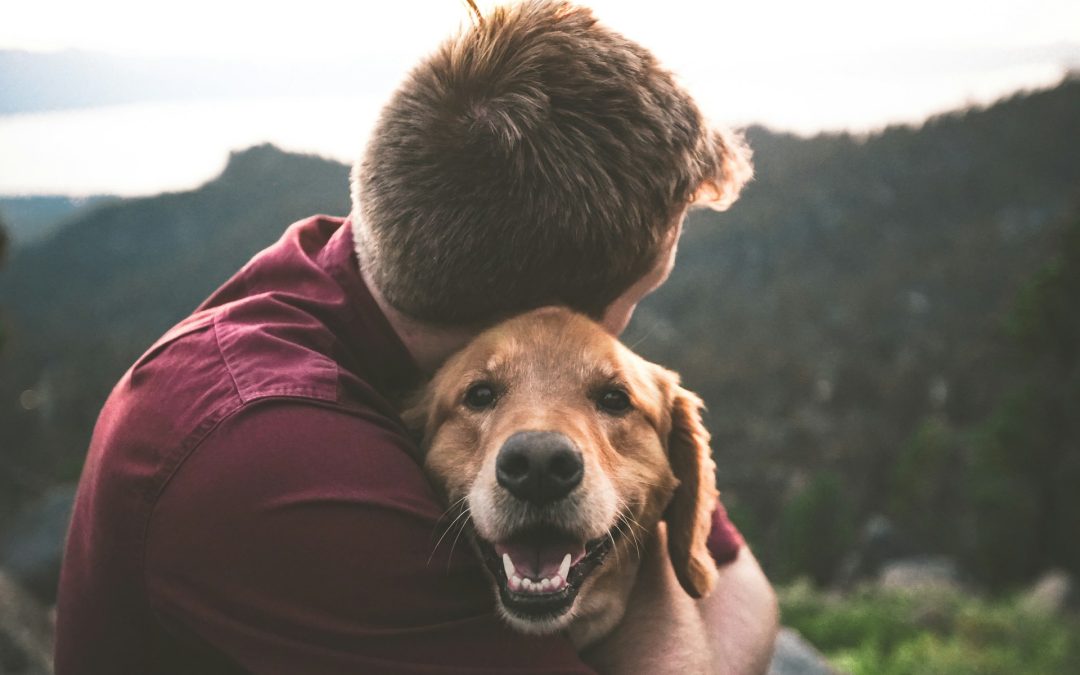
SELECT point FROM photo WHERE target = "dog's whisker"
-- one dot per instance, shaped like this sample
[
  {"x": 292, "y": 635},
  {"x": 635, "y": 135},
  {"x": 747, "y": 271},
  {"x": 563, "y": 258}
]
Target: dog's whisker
[
  {"x": 630, "y": 532},
  {"x": 461, "y": 529},
  {"x": 464, "y": 512},
  {"x": 633, "y": 522},
  {"x": 453, "y": 506},
  {"x": 623, "y": 518},
  {"x": 618, "y": 561},
  {"x": 460, "y": 506},
  {"x": 648, "y": 332},
  {"x": 622, "y": 532}
]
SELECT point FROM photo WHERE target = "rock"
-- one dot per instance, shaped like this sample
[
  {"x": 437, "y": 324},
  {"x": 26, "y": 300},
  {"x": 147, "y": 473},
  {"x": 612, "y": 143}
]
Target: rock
[
  {"x": 920, "y": 574},
  {"x": 32, "y": 545},
  {"x": 26, "y": 631},
  {"x": 1053, "y": 593},
  {"x": 793, "y": 655}
]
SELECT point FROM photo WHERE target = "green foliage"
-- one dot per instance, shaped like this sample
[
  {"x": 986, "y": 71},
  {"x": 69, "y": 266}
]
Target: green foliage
[
  {"x": 873, "y": 632},
  {"x": 816, "y": 528},
  {"x": 1026, "y": 458},
  {"x": 923, "y": 483},
  {"x": 1005, "y": 496},
  {"x": 1001, "y": 494},
  {"x": 1045, "y": 317}
]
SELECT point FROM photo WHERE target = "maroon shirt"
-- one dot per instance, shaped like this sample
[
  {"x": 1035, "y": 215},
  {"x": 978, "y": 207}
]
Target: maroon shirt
[{"x": 252, "y": 502}]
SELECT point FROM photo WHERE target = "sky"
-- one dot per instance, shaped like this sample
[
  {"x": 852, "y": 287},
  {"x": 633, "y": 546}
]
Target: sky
[{"x": 800, "y": 66}]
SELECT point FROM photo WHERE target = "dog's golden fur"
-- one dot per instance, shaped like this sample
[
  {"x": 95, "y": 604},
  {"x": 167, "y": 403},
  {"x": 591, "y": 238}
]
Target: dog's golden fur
[{"x": 647, "y": 464}]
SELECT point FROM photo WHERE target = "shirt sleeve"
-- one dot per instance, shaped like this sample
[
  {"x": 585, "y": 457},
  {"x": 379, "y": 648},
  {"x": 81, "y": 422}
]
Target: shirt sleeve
[
  {"x": 303, "y": 539},
  {"x": 724, "y": 539}
]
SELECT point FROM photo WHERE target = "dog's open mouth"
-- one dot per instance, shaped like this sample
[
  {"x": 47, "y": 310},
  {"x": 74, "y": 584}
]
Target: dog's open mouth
[{"x": 540, "y": 570}]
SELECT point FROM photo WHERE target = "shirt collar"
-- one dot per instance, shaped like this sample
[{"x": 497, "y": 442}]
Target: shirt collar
[{"x": 369, "y": 338}]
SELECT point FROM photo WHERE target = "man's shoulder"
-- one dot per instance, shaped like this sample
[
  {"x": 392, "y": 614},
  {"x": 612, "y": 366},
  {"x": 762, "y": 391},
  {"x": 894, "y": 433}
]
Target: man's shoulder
[
  {"x": 282, "y": 445},
  {"x": 273, "y": 350},
  {"x": 229, "y": 389},
  {"x": 210, "y": 366}
]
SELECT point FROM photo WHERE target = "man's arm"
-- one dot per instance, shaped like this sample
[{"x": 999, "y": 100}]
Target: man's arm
[
  {"x": 741, "y": 616},
  {"x": 665, "y": 631}
]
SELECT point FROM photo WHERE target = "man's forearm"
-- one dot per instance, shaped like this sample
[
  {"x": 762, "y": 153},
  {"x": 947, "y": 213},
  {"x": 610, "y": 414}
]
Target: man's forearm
[
  {"x": 665, "y": 631},
  {"x": 741, "y": 617}
]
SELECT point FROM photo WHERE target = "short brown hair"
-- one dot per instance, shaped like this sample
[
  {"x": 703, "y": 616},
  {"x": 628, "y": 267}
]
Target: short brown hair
[{"x": 534, "y": 158}]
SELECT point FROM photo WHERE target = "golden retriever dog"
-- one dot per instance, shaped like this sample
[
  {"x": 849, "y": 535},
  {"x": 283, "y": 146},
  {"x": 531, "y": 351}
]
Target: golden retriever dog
[{"x": 563, "y": 451}]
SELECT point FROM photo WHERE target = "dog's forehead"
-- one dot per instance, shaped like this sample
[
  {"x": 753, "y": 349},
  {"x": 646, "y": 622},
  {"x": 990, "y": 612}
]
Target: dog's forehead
[{"x": 546, "y": 341}]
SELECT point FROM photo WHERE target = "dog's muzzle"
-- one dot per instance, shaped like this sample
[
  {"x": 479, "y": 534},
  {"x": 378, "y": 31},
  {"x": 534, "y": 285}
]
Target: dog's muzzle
[{"x": 540, "y": 566}]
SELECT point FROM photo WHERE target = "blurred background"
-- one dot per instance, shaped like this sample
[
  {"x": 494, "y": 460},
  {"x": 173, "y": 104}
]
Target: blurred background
[{"x": 885, "y": 327}]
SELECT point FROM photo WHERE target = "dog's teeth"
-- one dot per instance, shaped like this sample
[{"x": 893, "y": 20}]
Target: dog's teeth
[
  {"x": 508, "y": 565},
  {"x": 515, "y": 582},
  {"x": 527, "y": 584},
  {"x": 545, "y": 585},
  {"x": 564, "y": 568},
  {"x": 556, "y": 582}
]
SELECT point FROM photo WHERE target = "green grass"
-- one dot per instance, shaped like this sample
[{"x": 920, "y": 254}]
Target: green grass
[{"x": 874, "y": 632}]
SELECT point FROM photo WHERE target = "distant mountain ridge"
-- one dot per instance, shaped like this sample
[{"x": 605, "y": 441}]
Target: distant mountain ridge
[
  {"x": 855, "y": 291},
  {"x": 32, "y": 218}
]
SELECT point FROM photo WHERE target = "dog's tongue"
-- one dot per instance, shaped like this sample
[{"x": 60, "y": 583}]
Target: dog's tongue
[{"x": 538, "y": 555}]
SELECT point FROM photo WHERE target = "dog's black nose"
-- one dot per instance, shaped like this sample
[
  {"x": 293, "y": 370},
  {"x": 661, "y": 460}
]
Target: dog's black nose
[{"x": 539, "y": 466}]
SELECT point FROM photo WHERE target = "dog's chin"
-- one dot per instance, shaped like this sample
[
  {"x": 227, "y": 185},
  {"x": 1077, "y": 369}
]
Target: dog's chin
[{"x": 537, "y": 591}]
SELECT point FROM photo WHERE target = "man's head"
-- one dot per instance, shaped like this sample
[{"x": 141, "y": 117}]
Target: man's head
[{"x": 535, "y": 158}]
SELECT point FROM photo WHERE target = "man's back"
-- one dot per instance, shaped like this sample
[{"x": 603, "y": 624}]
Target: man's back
[{"x": 250, "y": 501}]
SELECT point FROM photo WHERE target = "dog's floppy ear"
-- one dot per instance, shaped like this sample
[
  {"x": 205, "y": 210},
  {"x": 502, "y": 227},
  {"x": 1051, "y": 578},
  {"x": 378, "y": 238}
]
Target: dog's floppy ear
[{"x": 689, "y": 514}]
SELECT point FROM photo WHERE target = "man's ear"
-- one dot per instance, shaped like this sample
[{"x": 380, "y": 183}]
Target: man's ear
[{"x": 689, "y": 514}]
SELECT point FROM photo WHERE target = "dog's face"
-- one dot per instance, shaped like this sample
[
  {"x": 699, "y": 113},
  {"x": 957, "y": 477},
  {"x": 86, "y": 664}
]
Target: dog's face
[{"x": 565, "y": 449}]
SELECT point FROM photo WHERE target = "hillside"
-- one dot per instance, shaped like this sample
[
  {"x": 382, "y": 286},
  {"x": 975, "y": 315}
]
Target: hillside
[
  {"x": 83, "y": 304},
  {"x": 30, "y": 219},
  {"x": 854, "y": 296},
  {"x": 857, "y": 292}
]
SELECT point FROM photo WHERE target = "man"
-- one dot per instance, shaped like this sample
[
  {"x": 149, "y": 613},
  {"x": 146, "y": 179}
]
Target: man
[{"x": 251, "y": 501}]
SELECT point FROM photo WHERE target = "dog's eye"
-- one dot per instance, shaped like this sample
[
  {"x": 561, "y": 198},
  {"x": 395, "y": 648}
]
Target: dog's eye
[
  {"x": 614, "y": 401},
  {"x": 480, "y": 396}
]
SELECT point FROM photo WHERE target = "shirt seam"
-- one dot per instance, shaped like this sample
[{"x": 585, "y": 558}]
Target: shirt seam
[{"x": 224, "y": 358}]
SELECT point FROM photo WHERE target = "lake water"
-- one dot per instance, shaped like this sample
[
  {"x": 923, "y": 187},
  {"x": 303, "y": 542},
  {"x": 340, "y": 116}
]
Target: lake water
[{"x": 152, "y": 147}]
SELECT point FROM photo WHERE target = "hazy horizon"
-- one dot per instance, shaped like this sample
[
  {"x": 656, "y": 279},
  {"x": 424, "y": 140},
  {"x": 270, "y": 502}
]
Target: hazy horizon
[{"x": 839, "y": 65}]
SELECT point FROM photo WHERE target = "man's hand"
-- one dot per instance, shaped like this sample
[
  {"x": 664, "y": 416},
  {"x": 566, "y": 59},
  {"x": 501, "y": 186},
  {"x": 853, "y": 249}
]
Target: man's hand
[{"x": 665, "y": 631}]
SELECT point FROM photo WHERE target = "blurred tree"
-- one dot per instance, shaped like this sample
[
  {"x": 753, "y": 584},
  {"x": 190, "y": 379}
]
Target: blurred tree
[
  {"x": 1001, "y": 494},
  {"x": 1025, "y": 479},
  {"x": 924, "y": 484},
  {"x": 816, "y": 529}
]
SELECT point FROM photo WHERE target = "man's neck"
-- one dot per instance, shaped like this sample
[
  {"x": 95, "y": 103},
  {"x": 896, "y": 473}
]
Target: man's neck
[{"x": 428, "y": 345}]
